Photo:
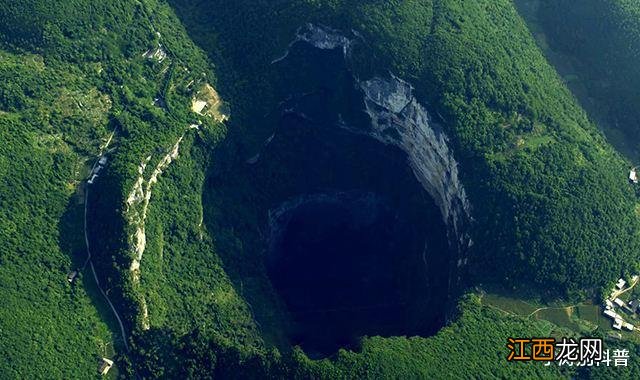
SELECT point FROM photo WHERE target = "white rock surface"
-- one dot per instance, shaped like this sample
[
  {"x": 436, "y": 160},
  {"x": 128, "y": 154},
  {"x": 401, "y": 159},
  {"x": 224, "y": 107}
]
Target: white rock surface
[
  {"x": 321, "y": 37},
  {"x": 398, "y": 119}
]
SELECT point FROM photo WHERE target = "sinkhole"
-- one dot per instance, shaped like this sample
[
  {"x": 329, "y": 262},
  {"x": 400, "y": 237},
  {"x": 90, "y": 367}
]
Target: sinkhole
[
  {"x": 326, "y": 229},
  {"x": 354, "y": 246},
  {"x": 349, "y": 265}
]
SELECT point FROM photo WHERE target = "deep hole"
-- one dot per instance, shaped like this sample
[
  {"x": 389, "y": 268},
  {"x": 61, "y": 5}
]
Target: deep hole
[
  {"x": 368, "y": 259},
  {"x": 344, "y": 268},
  {"x": 356, "y": 248}
]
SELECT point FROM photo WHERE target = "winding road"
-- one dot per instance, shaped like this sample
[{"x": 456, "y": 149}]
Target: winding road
[{"x": 89, "y": 256}]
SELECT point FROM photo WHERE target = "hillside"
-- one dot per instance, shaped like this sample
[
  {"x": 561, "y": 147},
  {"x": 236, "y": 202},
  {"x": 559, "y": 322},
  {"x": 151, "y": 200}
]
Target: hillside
[
  {"x": 66, "y": 92},
  {"x": 594, "y": 44},
  {"x": 47, "y": 139}
]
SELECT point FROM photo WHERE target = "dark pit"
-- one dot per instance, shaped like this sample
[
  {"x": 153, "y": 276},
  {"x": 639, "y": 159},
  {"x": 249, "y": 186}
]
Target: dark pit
[
  {"x": 327, "y": 233},
  {"x": 346, "y": 266}
]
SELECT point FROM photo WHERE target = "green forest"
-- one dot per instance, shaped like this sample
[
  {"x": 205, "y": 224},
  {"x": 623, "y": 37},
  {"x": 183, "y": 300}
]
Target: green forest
[
  {"x": 537, "y": 99},
  {"x": 597, "y": 44}
]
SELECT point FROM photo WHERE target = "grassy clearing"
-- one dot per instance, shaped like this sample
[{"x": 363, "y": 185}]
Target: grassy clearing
[{"x": 582, "y": 318}]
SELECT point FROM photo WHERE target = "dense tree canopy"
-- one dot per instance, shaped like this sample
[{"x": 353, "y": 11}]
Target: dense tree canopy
[{"x": 597, "y": 44}]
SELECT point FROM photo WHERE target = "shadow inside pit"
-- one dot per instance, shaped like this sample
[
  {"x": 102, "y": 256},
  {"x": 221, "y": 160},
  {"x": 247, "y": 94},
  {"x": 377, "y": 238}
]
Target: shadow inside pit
[
  {"x": 331, "y": 278},
  {"x": 363, "y": 251}
]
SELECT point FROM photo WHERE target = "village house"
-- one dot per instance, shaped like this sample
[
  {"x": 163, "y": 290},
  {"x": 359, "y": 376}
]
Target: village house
[
  {"x": 105, "y": 366},
  {"x": 612, "y": 304},
  {"x": 612, "y": 314},
  {"x": 617, "y": 324},
  {"x": 72, "y": 276}
]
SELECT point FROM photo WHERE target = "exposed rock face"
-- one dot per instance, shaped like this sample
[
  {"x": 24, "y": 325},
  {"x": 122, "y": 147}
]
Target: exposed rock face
[
  {"x": 140, "y": 196},
  {"x": 159, "y": 54},
  {"x": 321, "y": 37},
  {"x": 398, "y": 119},
  {"x": 137, "y": 204}
]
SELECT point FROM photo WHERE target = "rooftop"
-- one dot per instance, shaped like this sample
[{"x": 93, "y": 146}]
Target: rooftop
[{"x": 105, "y": 366}]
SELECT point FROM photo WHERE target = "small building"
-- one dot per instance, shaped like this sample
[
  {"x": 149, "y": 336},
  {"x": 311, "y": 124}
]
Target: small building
[
  {"x": 609, "y": 304},
  {"x": 105, "y": 366},
  {"x": 198, "y": 106},
  {"x": 620, "y": 284},
  {"x": 93, "y": 178},
  {"x": 628, "y": 326},
  {"x": 619, "y": 302},
  {"x": 633, "y": 176},
  {"x": 102, "y": 160},
  {"x": 72, "y": 276},
  {"x": 611, "y": 314},
  {"x": 617, "y": 324}
]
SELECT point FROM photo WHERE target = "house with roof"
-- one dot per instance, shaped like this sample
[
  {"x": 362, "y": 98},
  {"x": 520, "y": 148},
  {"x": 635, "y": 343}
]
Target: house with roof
[
  {"x": 105, "y": 366},
  {"x": 72, "y": 276},
  {"x": 611, "y": 314},
  {"x": 617, "y": 324}
]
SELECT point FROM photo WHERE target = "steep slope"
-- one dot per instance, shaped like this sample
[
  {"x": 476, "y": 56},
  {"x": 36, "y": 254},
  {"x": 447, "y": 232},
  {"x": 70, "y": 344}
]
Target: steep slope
[
  {"x": 470, "y": 347},
  {"x": 75, "y": 75},
  {"x": 557, "y": 202},
  {"x": 594, "y": 44},
  {"x": 550, "y": 198},
  {"x": 47, "y": 136}
]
